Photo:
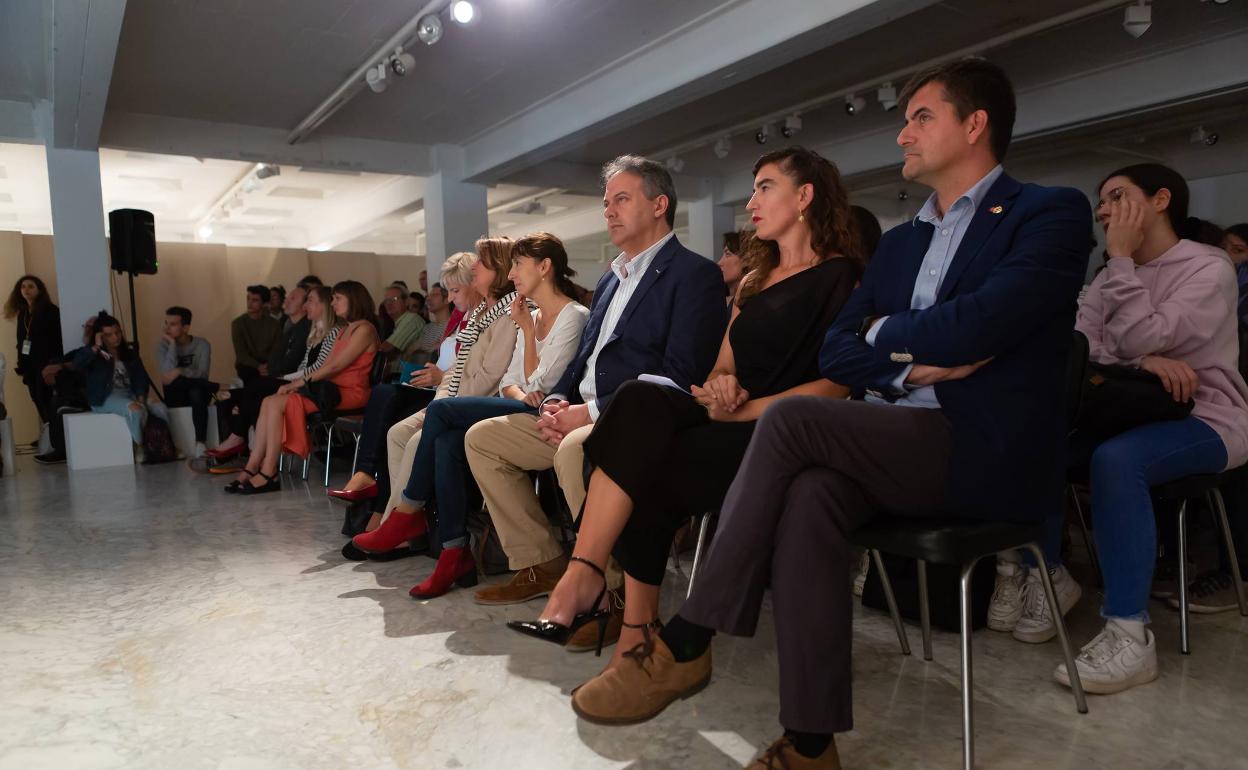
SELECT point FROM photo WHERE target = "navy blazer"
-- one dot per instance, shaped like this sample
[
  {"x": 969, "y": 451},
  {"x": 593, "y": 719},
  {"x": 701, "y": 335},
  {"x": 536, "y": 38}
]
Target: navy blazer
[
  {"x": 672, "y": 325},
  {"x": 1010, "y": 295}
]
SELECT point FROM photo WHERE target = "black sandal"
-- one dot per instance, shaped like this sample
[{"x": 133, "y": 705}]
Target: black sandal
[
  {"x": 271, "y": 484},
  {"x": 235, "y": 486},
  {"x": 559, "y": 634}
]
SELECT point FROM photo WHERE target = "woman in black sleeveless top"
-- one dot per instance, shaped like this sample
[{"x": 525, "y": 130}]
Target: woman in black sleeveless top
[{"x": 662, "y": 455}]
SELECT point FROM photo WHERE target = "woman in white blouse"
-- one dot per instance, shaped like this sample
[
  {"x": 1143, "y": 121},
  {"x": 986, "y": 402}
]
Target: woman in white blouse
[{"x": 546, "y": 341}]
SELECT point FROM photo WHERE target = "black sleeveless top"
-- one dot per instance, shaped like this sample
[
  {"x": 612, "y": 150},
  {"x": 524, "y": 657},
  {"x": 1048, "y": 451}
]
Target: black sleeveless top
[{"x": 776, "y": 337}]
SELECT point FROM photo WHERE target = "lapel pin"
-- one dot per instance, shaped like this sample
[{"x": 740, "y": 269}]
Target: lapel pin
[{"x": 996, "y": 209}]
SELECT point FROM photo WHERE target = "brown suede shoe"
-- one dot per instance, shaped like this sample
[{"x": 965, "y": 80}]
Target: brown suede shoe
[
  {"x": 782, "y": 756},
  {"x": 529, "y": 583},
  {"x": 645, "y": 683},
  {"x": 586, "y": 639}
]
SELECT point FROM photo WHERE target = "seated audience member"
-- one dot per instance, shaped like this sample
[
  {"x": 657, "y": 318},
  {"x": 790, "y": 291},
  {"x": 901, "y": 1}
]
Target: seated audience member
[
  {"x": 424, "y": 281},
  {"x": 185, "y": 362},
  {"x": 38, "y": 338},
  {"x": 1214, "y": 591},
  {"x": 960, "y": 333},
  {"x": 476, "y": 359},
  {"x": 545, "y": 341},
  {"x": 1163, "y": 304},
  {"x": 658, "y": 310},
  {"x": 116, "y": 381},
  {"x": 730, "y": 265},
  {"x": 407, "y": 325},
  {"x": 867, "y": 229},
  {"x": 1203, "y": 231},
  {"x": 290, "y": 355},
  {"x": 277, "y": 300},
  {"x": 69, "y": 395},
  {"x": 416, "y": 304},
  {"x": 341, "y": 382},
  {"x": 389, "y": 403},
  {"x": 425, "y": 348},
  {"x": 660, "y": 455},
  {"x": 308, "y": 281},
  {"x": 255, "y": 334}
]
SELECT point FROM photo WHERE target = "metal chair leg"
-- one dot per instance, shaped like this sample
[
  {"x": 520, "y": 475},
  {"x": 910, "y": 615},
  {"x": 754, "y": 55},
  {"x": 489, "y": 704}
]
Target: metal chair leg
[
  {"x": 1219, "y": 507},
  {"x": 281, "y": 462},
  {"x": 1068, "y": 651},
  {"x": 892, "y": 602},
  {"x": 329, "y": 450},
  {"x": 1184, "y": 642},
  {"x": 697, "y": 551},
  {"x": 1087, "y": 535},
  {"x": 968, "y": 685},
  {"x": 307, "y": 462},
  {"x": 355, "y": 458},
  {"x": 925, "y": 617}
]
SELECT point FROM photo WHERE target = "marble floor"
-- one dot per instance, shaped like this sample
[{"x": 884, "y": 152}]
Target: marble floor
[{"x": 147, "y": 620}]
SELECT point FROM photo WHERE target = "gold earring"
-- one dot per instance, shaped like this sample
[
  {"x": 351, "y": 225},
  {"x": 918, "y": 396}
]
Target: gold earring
[{"x": 801, "y": 217}]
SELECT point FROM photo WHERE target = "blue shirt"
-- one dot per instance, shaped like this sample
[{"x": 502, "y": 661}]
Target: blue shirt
[{"x": 947, "y": 236}]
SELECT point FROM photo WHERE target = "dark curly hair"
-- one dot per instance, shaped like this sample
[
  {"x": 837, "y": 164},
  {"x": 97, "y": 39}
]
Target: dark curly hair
[{"x": 831, "y": 231}]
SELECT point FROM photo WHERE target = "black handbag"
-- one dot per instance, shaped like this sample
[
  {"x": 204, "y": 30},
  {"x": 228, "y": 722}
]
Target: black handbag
[
  {"x": 1115, "y": 399},
  {"x": 324, "y": 394}
]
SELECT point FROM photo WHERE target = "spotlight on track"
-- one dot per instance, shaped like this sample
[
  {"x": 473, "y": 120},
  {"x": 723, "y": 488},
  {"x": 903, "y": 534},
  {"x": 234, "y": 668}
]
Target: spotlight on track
[
  {"x": 1138, "y": 18},
  {"x": 429, "y": 29},
  {"x": 376, "y": 78},
  {"x": 675, "y": 164},
  {"x": 402, "y": 63},
  {"x": 792, "y": 124},
  {"x": 854, "y": 105},
  {"x": 723, "y": 146},
  {"x": 887, "y": 95},
  {"x": 763, "y": 134},
  {"x": 463, "y": 11}
]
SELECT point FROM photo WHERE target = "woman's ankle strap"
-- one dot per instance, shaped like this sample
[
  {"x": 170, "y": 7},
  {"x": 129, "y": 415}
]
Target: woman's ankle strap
[{"x": 591, "y": 565}]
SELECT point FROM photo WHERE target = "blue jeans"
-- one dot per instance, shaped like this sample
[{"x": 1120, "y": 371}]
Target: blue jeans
[
  {"x": 1123, "y": 471},
  {"x": 119, "y": 404},
  {"x": 440, "y": 467}
]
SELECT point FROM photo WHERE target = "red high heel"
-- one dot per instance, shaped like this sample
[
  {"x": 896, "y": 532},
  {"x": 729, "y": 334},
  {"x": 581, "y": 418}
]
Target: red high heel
[
  {"x": 455, "y": 566},
  {"x": 354, "y": 495},
  {"x": 225, "y": 454},
  {"x": 396, "y": 530}
]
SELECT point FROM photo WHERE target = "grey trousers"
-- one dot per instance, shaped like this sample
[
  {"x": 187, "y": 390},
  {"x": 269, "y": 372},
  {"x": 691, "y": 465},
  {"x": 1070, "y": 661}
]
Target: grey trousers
[{"x": 816, "y": 469}]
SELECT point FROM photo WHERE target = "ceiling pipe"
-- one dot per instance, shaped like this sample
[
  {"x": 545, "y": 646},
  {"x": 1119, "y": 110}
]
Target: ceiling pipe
[
  {"x": 896, "y": 76},
  {"x": 355, "y": 81}
]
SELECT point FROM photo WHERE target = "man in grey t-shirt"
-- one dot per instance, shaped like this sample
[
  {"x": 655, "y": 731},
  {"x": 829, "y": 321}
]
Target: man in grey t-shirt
[{"x": 184, "y": 364}]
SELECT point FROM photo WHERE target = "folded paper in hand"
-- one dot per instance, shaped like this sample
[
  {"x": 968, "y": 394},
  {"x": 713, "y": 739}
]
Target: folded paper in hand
[{"x": 659, "y": 379}]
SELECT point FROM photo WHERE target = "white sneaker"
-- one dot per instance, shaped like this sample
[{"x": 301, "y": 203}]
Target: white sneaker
[
  {"x": 199, "y": 449},
  {"x": 139, "y": 455},
  {"x": 1112, "y": 662},
  {"x": 1036, "y": 625},
  {"x": 1006, "y": 606}
]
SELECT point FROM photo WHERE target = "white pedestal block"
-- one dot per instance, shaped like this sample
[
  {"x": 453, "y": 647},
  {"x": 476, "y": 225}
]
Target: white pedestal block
[
  {"x": 97, "y": 441},
  {"x": 183, "y": 429},
  {"x": 7, "y": 450}
]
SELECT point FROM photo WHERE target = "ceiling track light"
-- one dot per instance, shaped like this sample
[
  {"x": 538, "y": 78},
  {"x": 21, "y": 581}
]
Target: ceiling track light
[
  {"x": 463, "y": 12},
  {"x": 675, "y": 164},
  {"x": 402, "y": 63},
  {"x": 723, "y": 146},
  {"x": 792, "y": 124},
  {"x": 267, "y": 170},
  {"x": 1137, "y": 18},
  {"x": 429, "y": 29},
  {"x": 887, "y": 95},
  {"x": 854, "y": 105},
  {"x": 376, "y": 78},
  {"x": 763, "y": 134}
]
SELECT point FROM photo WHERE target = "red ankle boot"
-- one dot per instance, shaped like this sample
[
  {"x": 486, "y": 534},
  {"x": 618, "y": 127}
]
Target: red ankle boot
[
  {"x": 455, "y": 566},
  {"x": 396, "y": 530}
]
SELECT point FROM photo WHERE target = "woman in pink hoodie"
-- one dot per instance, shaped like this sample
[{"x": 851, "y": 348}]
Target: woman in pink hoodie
[{"x": 1166, "y": 305}]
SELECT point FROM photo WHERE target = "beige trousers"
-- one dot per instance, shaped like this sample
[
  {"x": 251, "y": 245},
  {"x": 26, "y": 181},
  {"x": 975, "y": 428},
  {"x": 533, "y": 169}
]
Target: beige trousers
[
  {"x": 401, "y": 442},
  {"x": 501, "y": 451}
]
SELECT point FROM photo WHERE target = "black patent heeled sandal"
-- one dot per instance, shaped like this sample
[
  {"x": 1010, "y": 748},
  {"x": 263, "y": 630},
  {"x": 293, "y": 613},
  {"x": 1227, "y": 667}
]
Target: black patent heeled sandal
[
  {"x": 559, "y": 634},
  {"x": 234, "y": 486}
]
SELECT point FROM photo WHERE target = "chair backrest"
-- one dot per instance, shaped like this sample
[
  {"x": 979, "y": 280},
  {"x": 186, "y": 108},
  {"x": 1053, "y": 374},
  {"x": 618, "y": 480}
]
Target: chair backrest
[
  {"x": 1076, "y": 373},
  {"x": 380, "y": 362}
]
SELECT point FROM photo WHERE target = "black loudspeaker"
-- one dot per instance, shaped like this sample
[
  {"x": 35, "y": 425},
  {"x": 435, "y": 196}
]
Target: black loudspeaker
[{"x": 132, "y": 241}]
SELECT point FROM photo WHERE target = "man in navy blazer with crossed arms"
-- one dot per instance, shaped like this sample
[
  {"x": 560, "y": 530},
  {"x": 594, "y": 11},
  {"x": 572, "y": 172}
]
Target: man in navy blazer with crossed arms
[{"x": 958, "y": 339}]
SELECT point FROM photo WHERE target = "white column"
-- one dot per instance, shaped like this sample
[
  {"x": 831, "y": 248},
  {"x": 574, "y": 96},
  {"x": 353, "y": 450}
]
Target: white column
[
  {"x": 82, "y": 260},
  {"x": 455, "y": 211},
  {"x": 708, "y": 221}
]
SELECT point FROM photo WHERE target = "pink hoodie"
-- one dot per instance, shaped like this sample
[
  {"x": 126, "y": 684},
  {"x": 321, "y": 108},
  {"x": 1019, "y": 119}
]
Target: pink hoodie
[{"x": 1181, "y": 305}]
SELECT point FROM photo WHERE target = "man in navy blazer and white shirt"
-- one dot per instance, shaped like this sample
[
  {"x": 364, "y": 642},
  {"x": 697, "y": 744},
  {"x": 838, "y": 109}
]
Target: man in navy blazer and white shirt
[
  {"x": 659, "y": 310},
  {"x": 959, "y": 335}
]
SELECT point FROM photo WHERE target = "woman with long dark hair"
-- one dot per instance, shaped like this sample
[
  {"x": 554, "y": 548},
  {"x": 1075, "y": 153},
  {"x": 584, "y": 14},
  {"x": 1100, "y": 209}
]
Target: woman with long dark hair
[
  {"x": 38, "y": 338},
  {"x": 1166, "y": 305},
  {"x": 661, "y": 455}
]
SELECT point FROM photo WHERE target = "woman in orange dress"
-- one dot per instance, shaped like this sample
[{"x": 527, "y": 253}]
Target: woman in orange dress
[{"x": 283, "y": 416}]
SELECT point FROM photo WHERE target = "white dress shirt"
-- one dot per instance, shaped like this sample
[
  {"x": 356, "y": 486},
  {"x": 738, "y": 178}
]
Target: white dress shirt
[
  {"x": 554, "y": 352},
  {"x": 629, "y": 271}
]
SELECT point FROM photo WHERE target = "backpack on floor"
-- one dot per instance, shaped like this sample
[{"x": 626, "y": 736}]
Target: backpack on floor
[
  {"x": 356, "y": 519},
  {"x": 158, "y": 444},
  {"x": 487, "y": 550}
]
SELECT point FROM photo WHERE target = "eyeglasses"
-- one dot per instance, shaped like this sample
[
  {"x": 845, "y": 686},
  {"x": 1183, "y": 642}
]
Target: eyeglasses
[{"x": 1113, "y": 196}]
